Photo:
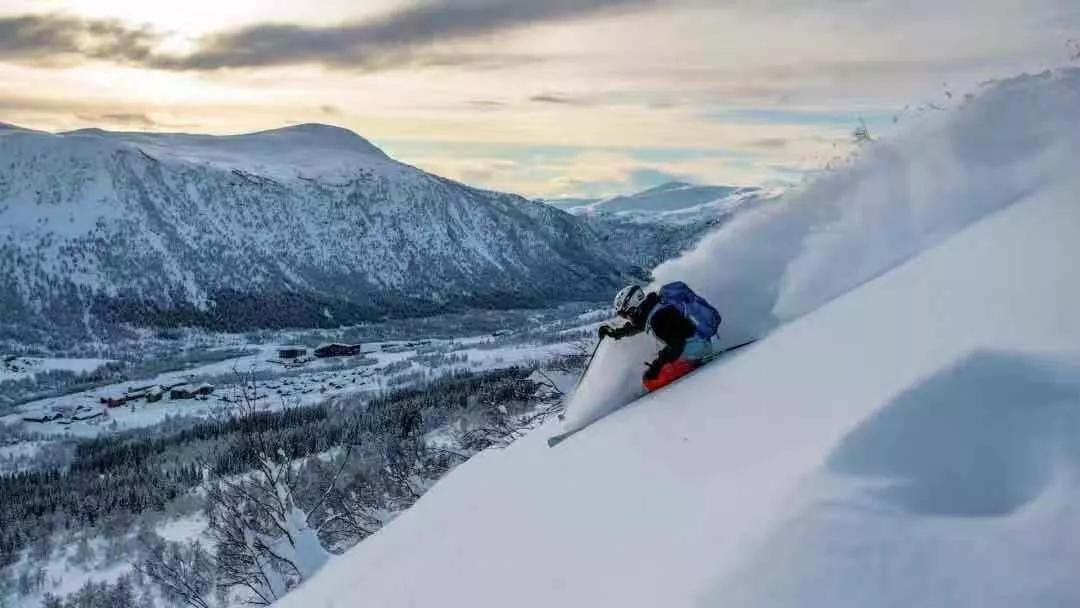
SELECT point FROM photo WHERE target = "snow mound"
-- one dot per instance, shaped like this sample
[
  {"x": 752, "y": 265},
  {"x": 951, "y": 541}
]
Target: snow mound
[{"x": 907, "y": 438}]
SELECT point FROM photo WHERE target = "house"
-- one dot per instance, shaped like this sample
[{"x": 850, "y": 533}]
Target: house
[
  {"x": 204, "y": 390},
  {"x": 114, "y": 401},
  {"x": 182, "y": 391},
  {"x": 44, "y": 418},
  {"x": 337, "y": 350},
  {"x": 291, "y": 352},
  {"x": 154, "y": 395}
]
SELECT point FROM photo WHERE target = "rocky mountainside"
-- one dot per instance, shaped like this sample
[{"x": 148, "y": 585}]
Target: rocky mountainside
[{"x": 303, "y": 226}]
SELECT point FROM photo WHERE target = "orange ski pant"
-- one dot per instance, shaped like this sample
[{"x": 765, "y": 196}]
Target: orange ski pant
[{"x": 669, "y": 373}]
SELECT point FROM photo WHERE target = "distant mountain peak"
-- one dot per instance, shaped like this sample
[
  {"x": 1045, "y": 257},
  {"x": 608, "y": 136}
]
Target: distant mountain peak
[
  {"x": 6, "y": 126},
  {"x": 666, "y": 187},
  {"x": 313, "y": 132},
  {"x": 303, "y": 226}
]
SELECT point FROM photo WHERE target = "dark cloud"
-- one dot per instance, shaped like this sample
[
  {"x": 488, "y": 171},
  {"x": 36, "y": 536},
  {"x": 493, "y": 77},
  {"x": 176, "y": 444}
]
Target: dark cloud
[
  {"x": 486, "y": 103},
  {"x": 121, "y": 118},
  {"x": 768, "y": 143},
  {"x": 407, "y": 36},
  {"x": 393, "y": 38},
  {"x": 55, "y": 37},
  {"x": 558, "y": 99}
]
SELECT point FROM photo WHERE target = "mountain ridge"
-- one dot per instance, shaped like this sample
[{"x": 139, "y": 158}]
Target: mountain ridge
[{"x": 320, "y": 228}]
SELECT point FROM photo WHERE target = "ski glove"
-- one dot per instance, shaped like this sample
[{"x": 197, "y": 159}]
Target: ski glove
[
  {"x": 605, "y": 331},
  {"x": 654, "y": 369}
]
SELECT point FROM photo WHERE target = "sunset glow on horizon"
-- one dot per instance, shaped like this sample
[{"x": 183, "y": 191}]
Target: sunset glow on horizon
[{"x": 552, "y": 99}]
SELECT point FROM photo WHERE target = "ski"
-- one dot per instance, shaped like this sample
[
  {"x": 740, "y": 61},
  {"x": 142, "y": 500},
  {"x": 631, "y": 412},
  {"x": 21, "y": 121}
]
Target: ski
[{"x": 557, "y": 439}]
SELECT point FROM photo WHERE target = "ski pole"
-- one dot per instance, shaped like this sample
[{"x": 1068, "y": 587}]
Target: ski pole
[
  {"x": 586, "y": 370},
  {"x": 589, "y": 364}
]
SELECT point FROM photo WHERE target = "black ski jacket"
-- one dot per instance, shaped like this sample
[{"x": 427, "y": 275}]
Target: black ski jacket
[{"x": 667, "y": 324}]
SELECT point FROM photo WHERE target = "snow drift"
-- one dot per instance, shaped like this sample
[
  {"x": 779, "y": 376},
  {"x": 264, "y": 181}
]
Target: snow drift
[{"x": 905, "y": 436}]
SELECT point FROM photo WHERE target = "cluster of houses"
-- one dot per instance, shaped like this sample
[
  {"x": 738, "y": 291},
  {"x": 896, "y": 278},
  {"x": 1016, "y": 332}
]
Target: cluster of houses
[
  {"x": 150, "y": 394},
  {"x": 400, "y": 347},
  {"x": 154, "y": 393},
  {"x": 68, "y": 415},
  {"x": 299, "y": 354}
]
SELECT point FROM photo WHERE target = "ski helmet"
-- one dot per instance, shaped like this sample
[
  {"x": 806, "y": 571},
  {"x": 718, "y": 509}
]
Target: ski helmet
[{"x": 628, "y": 299}]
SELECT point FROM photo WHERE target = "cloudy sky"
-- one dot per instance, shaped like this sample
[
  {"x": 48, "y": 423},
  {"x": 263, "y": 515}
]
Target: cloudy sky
[{"x": 543, "y": 97}]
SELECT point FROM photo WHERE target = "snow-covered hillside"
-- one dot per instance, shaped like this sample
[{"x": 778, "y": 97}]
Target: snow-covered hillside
[
  {"x": 905, "y": 435},
  {"x": 653, "y": 226},
  {"x": 672, "y": 196},
  {"x": 302, "y": 226},
  {"x": 671, "y": 203}
]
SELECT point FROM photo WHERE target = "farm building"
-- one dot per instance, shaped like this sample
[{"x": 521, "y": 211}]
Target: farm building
[
  {"x": 114, "y": 401},
  {"x": 291, "y": 352},
  {"x": 182, "y": 391},
  {"x": 337, "y": 350}
]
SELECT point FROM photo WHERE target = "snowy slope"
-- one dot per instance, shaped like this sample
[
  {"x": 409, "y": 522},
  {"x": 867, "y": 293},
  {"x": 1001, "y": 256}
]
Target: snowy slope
[
  {"x": 308, "y": 225},
  {"x": 650, "y": 227},
  {"x": 671, "y": 196},
  {"x": 671, "y": 203},
  {"x": 904, "y": 437}
]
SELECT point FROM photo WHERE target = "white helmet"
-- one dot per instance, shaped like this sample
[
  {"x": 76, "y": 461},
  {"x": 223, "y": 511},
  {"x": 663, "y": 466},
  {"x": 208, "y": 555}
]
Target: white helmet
[{"x": 628, "y": 299}]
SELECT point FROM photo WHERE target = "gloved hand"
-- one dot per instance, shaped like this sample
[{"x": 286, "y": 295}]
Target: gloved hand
[
  {"x": 605, "y": 331},
  {"x": 654, "y": 369}
]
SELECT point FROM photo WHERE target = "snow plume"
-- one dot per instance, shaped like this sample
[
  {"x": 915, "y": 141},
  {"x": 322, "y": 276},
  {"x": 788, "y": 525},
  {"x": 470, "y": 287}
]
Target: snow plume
[
  {"x": 784, "y": 260},
  {"x": 898, "y": 199}
]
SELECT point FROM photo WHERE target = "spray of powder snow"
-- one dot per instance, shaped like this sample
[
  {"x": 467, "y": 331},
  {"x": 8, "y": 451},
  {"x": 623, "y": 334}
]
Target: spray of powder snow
[{"x": 786, "y": 259}]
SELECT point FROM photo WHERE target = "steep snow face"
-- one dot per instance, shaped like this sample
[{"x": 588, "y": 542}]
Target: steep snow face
[
  {"x": 308, "y": 225},
  {"x": 906, "y": 439}
]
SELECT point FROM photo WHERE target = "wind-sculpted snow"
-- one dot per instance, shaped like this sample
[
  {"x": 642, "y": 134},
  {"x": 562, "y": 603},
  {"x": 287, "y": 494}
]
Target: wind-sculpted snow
[
  {"x": 777, "y": 262},
  {"x": 305, "y": 226}
]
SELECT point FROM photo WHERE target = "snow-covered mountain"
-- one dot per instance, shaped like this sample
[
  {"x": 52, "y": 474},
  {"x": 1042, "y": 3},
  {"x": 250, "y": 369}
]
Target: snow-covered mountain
[
  {"x": 568, "y": 204},
  {"x": 306, "y": 225},
  {"x": 903, "y": 435},
  {"x": 672, "y": 201},
  {"x": 655, "y": 225}
]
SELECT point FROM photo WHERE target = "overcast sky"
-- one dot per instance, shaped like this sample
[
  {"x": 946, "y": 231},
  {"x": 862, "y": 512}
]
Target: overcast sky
[{"x": 541, "y": 97}]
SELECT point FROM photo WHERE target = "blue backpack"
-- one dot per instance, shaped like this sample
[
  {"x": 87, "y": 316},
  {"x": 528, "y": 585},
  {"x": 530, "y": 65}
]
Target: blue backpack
[{"x": 706, "y": 319}]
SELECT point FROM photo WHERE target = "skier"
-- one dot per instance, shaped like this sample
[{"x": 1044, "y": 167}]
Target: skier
[{"x": 679, "y": 318}]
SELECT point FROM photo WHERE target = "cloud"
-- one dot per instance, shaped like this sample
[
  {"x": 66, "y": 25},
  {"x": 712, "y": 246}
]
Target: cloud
[
  {"x": 486, "y": 103},
  {"x": 558, "y": 99},
  {"x": 56, "y": 37},
  {"x": 391, "y": 39},
  {"x": 121, "y": 118},
  {"x": 407, "y": 36},
  {"x": 768, "y": 143}
]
